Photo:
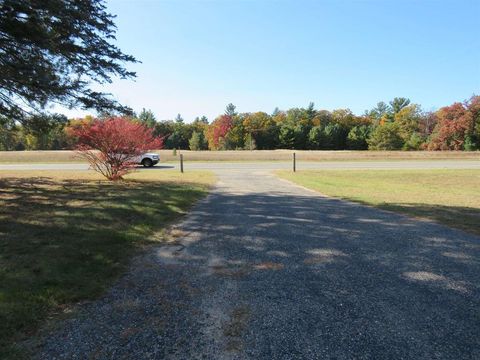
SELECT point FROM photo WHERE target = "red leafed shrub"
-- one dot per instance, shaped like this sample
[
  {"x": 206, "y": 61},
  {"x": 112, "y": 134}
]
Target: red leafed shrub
[
  {"x": 112, "y": 146},
  {"x": 453, "y": 124}
]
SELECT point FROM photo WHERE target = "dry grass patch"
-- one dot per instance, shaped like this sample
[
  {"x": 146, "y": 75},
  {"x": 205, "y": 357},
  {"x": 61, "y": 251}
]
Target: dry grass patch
[{"x": 246, "y": 155}]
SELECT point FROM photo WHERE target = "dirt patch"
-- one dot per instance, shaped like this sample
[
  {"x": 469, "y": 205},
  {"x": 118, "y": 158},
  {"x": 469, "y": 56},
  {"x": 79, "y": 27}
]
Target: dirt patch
[
  {"x": 230, "y": 271},
  {"x": 236, "y": 326}
]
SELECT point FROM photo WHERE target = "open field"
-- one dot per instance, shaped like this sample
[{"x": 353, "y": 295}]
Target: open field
[
  {"x": 66, "y": 236},
  {"x": 451, "y": 197},
  {"x": 260, "y": 155}
]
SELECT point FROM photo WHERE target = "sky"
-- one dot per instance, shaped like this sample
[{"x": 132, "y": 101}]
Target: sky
[{"x": 198, "y": 56}]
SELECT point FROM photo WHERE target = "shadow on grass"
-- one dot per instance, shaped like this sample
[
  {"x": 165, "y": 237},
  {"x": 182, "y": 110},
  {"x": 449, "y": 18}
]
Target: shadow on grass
[
  {"x": 460, "y": 217},
  {"x": 63, "y": 241}
]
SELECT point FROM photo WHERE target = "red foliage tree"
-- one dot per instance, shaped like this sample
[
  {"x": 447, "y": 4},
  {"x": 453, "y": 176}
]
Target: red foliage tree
[
  {"x": 218, "y": 131},
  {"x": 453, "y": 124},
  {"x": 112, "y": 146},
  {"x": 473, "y": 106}
]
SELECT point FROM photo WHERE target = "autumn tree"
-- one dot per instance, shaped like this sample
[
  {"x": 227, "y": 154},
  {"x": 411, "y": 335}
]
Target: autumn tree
[
  {"x": 454, "y": 124},
  {"x": 473, "y": 106},
  {"x": 112, "y": 146},
  {"x": 261, "y": 130},
  {"x": 427, "y": 124},
  {"x": 235, "y": 138},
  {"x": 344, "y": 117},
  {"x": 409, "y": 120},
  {"x": 322, "y": 118},
  {"x": 396, "y": 125},
  {"x": 218, "y": 131}
]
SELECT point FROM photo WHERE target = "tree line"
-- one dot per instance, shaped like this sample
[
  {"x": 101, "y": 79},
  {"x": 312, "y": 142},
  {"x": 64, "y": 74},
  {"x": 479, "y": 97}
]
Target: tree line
[{"x": 396, "y": 125}]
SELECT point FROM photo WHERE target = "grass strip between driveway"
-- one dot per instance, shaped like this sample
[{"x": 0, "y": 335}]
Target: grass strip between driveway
[
  {"x": 451, "y": 197},
  {"x": 66, "y": 236}
]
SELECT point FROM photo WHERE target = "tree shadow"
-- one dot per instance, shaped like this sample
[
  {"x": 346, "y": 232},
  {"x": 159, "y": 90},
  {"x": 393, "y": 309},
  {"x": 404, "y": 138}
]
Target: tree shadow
[
  {"x": 376, "y": 280},
  {"x": 284, "y": 275},
  {"x": 63, "y": 241},
  {"x": 460, "y": 217}
]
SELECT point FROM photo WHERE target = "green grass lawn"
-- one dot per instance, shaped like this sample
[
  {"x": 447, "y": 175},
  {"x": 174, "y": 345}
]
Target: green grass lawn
[
  {"x": 451, "y": 197},
  {"x": 65, "y": 237}
]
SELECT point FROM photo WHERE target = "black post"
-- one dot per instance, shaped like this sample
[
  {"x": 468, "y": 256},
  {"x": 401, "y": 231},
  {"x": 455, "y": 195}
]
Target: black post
[
  {"x": 181, "y": 163},
  {"x": 294, "y": 163}
]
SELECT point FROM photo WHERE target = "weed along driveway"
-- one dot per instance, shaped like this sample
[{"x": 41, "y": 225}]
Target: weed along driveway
[{"x": 264, "y": 269}]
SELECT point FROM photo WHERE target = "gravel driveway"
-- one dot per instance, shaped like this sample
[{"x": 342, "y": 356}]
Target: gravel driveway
[{"x": 268, "y": 270}]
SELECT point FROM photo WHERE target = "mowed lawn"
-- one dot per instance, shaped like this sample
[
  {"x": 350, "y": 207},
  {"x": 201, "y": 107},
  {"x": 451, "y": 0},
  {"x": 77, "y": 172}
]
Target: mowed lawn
[
  {"x": 66, "y": 236},
  {"x": 66, "y": 156},
  {"x": 451, "y": 197}
]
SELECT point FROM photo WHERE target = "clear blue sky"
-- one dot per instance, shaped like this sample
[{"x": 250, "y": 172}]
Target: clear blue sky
[{"x": 197, "y": 56}]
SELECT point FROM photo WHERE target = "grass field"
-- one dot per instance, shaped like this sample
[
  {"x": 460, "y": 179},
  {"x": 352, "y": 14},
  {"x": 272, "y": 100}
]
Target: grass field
[
  {"x": 64, "y": 237},
  {"x": 451, "y": 197},
  {"x": 15, "y": 157}
]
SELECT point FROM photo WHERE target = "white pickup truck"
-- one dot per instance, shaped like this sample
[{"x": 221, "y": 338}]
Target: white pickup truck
[{"x": 148, "y": 159}]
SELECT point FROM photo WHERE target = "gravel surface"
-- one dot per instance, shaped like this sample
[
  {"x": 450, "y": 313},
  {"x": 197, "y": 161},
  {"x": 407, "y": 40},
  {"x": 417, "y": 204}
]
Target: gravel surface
[{"x": 265, "y": 269}]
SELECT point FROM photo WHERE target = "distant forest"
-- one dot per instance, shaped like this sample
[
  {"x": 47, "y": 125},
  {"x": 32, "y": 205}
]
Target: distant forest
[{"x": 396, "y": 125}]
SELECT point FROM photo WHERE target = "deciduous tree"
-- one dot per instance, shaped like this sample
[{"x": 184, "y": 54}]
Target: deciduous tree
[
  {"x": 408, "y": 120},
  {"x": 218, "y": 130},
  {"x": 454, "y": 123},
  {"x": 112, "y": 146},
  {"x": 261, "y": 129}
]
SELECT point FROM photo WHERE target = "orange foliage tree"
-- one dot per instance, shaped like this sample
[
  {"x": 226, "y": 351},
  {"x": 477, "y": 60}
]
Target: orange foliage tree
[{"x": 218, "y": 131}]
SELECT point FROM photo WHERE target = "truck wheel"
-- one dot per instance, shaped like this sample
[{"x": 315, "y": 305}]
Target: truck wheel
[{"x": 147, "y": 163}]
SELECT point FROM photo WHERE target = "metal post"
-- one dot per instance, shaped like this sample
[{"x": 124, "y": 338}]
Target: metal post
[
  {"x": 294, "y": 163},
  {"x": 181, "y": 163}
]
